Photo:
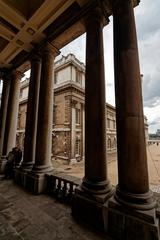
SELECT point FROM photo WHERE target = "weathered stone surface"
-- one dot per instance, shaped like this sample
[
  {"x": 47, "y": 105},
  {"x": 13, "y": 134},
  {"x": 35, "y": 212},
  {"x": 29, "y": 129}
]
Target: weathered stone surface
[
  {"x": 24, "y": 216},
  {"x": 128, "y": 224}
]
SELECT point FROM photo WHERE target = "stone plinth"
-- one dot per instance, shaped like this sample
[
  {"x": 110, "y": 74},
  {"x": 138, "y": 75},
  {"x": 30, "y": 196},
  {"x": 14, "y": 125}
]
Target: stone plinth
[
  {"x": 36, "y": 182},
  {"x": 129, "y": 224},
  {"x": 95, "y": 188},
  {"x": 3, "y": 161},
  {"x": 89, "y": 208},
  {"x": 20, "y": 176}
]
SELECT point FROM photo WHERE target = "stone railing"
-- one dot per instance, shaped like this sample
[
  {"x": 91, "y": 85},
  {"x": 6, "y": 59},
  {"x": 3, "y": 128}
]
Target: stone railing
[{"x": 62, "y": 186}]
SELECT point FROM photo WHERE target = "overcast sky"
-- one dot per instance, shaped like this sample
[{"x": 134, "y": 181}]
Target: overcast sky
[{"x": 148, "y": 32}]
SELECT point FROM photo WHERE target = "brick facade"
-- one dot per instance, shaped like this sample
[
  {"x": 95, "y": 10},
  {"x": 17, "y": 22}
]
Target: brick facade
[{"x": 68, "y": 134}]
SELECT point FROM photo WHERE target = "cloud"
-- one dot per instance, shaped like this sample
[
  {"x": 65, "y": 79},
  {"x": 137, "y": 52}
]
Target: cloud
[
  {"x": 77, "y": 47},
  {"x": 151, "y": 89},
  {"x": 147, "y": 14},
  {"x": 148, "y": 32},
  {"x": 154, "y": 122},
  {"x": 109, "y": 84}
]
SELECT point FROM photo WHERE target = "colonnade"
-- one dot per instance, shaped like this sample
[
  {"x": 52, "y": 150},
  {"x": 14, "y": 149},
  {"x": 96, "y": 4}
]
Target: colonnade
[
  {"x": 96, "y": 201},
  {"x": 38, "y": 133}
]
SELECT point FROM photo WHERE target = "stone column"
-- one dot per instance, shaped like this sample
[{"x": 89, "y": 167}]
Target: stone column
[
  {"x": 43, "y": 165},
  {"x": 133, "y": 185},
  {"x": 32, "y": 111},
  {"x": 95, "y": 179},
  {"x": 95, "y": 188},
  {"x": 131, "y": 213},
  {"x": 12, "y": 113},
  {"x": 3, "y": 111},
  {"x": 73, "y": 131},
  {"x": 82, "y": 132},
  {"x": 3, "y": 114}
]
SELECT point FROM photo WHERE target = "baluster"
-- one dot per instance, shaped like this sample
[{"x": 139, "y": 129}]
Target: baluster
[
  {"x": 70, "y": 195},
  {"x": 64, "y": 189},
  {"x": 59, "y": 188}
]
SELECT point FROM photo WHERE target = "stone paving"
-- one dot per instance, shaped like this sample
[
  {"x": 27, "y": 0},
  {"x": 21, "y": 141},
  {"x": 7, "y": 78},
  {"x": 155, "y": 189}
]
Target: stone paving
[
  {"x": 153, "y": 156},
  {"x": 24, "y": 216}
]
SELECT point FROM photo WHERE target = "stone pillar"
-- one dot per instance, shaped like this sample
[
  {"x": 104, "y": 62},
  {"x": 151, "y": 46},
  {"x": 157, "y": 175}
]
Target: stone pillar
[
  {"x": 31, "y": 121},
  {"x": 73, "y": 131},
  {"x": 36, "y": 179},
  {"x": 132, "y": 192},
  {"x": 95, "y": 188},
  {"x": 12, "y": 113},
  {"x": 95, "y": 179},
  {"x": 3, "y": 115},
  {"x": 32, "y": 111},
  {"x": 82, "y": 132}
]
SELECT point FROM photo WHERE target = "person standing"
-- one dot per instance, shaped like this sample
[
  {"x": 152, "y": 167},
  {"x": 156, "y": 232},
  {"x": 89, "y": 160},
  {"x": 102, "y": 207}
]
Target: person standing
[
  {"x": 9, "y": 164},
  {"x": 17, "y": 156}
]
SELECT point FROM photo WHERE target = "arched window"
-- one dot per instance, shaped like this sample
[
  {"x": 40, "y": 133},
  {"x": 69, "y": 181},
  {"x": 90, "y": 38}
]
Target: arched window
[
  {"x": 109, "y": 143},
  {"x": 114, "y": 143}
]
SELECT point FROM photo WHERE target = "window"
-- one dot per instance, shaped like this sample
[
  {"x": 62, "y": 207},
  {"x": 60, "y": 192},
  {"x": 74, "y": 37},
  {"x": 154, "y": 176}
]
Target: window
[
  {"x": 114, "y": 143},
  {"x": 114, "y": 124},
  {"x": 78, "y": 77},
  {"x": 109, "y": 143},
  {"x": 78, "y": 147},
  {"x": 55, "y": 77},
  {"x": 108, "y": 123},
  {"x": 21, "y": 93},
  {"x": 77, "y": 116},
  {"x": 19, "y": 121},
  {"x": 54, "y": 114}
]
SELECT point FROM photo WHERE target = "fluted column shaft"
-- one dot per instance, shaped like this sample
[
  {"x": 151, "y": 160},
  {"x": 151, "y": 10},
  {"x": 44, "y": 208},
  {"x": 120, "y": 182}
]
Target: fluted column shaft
[
  {"x": 3, "y": 111},
  {"x": 12, "y": 113},
  {"x": 73, "y": 130},
  {"x": 32, "y": 112},
  {"x": 45, "y": 112},
  {"x": 132, "y": 161},
  {"x": 95, "y": 179}
]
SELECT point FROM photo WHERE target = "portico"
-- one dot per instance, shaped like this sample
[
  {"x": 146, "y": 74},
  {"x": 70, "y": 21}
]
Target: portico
[{"x": 128, "y": 212}]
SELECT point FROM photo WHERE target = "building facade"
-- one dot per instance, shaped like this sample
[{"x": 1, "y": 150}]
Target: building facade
[
  {"x": 33, "y": 35},
  {"x": 68, "y": 133}
]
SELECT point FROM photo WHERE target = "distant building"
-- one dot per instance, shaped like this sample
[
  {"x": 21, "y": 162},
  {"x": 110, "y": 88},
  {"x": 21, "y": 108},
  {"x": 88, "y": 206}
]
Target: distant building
[
  {"x": 68, "y": 133},
  {"x": 158, "y": 133}
]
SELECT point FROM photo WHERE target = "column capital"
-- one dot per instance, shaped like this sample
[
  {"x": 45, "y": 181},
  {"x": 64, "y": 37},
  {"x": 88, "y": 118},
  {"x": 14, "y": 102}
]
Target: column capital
[
  {"x": 134, "y": 2},
  {"x": 95, "y": 15},
  {"x": 17, "y": 74},
  {"x": 7, "y": 76},
  {"x": 50, "y": 49},
  {"x": 35, "y": 56}
]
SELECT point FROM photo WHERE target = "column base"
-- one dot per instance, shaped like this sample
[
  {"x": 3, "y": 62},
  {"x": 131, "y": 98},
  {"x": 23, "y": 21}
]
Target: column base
[
  {"x": 27, "y": 166},
  {"x": 36, "y": 182},
  {"x": 88, "y": 208},
  {"x": 20, "y": 176},
  {"x": 3, "y": 162},
  {"x": 97, "y": 188},
  {"x": 143, "y": 201},
  {"x": 42, "y": 169},
  {"x": 129, "y": 224}
]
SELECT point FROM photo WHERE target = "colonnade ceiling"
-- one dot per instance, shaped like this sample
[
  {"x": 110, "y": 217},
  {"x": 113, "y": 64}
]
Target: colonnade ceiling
[{"x": 25, "y": 24}]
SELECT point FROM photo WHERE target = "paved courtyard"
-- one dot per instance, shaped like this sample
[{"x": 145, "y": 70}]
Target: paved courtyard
[
  {"x": 24, "y": 216},
  {"x": 153, "y": 156}
]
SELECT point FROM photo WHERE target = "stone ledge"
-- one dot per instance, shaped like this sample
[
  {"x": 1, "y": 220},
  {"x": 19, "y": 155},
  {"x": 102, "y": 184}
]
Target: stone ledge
[{"x": 127, "y": 224}]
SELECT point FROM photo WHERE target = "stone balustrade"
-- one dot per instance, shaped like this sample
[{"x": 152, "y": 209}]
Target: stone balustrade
[{"x": 62, "y": 186}]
